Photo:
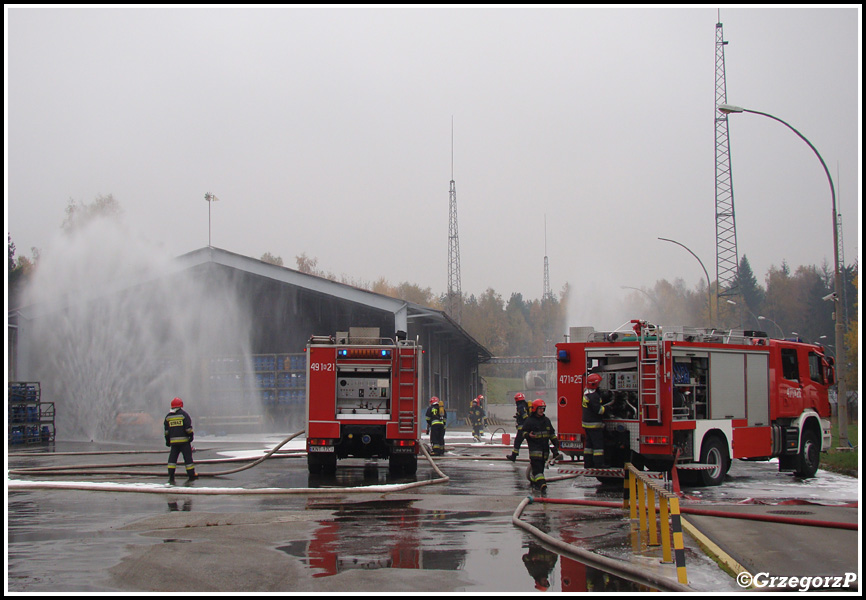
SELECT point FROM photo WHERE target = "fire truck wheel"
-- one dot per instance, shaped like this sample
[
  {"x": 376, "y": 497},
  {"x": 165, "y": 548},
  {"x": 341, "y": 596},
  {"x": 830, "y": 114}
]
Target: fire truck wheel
[
  {"x": 810, "y": 455},
  {"x": 714, "y": 451}
]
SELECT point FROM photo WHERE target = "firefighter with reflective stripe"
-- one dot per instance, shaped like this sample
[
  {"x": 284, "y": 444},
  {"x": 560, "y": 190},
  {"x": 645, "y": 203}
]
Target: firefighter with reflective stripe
[
  {"x": 520, "y": 416},
  {"x": 540, "y": 435},
  {"x": 476, "y": 417},
  {"x": 178, "y": 437},
  {"x": 436, "y": 425},
  {"x": 593, "y": 423}
]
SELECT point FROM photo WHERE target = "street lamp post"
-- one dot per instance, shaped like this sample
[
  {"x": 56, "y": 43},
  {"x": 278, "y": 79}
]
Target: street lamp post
[
  {"x": 754, "y": 316},
  {"x": 709, "y": 291},
  {"x": 781, "y": 333},
  {"x": 654, "y": 301},
  {"x": 841, "y": 391}
]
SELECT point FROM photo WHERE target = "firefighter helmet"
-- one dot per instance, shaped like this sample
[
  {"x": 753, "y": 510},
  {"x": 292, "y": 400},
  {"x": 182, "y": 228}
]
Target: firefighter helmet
[
  {"x": 538, "y": 403},
  {"x": 519, "y": 396},
  {"x": 177, "y": 403},
  {"x": 434, "y": 400},
  {"x": 593, "y": 380}
]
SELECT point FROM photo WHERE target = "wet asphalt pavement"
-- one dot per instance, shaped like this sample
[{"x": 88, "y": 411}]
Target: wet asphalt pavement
[{"x": 456, "y": 536}]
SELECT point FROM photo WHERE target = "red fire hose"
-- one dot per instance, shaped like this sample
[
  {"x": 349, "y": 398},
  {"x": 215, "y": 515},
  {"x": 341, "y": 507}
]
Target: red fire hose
[{"x": 713, "y": 513}]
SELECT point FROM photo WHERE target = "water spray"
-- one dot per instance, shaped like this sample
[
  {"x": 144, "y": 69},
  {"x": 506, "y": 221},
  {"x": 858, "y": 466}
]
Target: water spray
[{"x": 114, "y": 326}]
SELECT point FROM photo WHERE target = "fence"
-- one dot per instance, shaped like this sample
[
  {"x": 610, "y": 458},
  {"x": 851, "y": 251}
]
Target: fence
[{"x": 641, "y": 493}]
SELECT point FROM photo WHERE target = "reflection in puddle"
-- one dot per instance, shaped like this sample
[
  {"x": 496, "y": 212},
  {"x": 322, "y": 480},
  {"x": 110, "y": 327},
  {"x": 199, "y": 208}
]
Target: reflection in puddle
[{"x": 478, "y": 542}]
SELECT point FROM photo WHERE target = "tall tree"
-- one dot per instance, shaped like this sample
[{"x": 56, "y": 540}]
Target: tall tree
[
  {"x": 751, "y": 291},
  {"x": 779, "y": 306},
  {"x": 79, "y": 214}
]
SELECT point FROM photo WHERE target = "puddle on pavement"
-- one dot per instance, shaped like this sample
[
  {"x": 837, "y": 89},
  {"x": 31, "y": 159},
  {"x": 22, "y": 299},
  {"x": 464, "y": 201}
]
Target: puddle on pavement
[{"x": 486, "y": 546}]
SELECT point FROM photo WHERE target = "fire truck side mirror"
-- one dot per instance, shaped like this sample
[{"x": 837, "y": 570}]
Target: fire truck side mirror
[{"x": 830, "y": 365}]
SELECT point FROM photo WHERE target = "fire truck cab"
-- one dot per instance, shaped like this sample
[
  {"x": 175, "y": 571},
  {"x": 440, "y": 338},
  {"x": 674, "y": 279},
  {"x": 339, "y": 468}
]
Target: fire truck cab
[
  {"x": 362, "y": 400},
  {"x": 699, "y": 397}
]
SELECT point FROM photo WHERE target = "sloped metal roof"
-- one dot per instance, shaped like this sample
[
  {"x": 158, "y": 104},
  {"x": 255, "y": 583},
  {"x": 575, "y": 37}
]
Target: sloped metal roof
[{"x": 403, "y": 311}]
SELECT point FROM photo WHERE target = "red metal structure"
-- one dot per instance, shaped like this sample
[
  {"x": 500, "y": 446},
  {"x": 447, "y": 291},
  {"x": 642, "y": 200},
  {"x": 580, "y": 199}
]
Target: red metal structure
[
  {"x": 362, "y": 400},
  {"x": 700, "y": 397}
]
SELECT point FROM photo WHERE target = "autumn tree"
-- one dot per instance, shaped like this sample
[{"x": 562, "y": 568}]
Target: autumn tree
[
  {"x": 20, "y": 270},
  {"x": 271, "y": 259},
  {"x": 484, "y": 319}
]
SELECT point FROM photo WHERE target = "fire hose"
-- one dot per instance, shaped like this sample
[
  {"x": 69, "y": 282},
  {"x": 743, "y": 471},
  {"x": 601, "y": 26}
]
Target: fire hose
[
  {"x": 714, "y": 513},
  {"x": 616, "y": 567},
  {"x": 146, "y": 488}
]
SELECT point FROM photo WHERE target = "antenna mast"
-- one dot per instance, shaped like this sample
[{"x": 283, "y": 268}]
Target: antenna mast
[
  {"x": 727, "y": 260},
  {"x": 547, "y": 294},
  {"x": 455, "y": 295}
]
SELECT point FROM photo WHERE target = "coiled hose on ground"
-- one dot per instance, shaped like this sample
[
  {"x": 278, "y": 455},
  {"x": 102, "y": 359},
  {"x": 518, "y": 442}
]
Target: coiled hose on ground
[{"x": 167, "y": 489}]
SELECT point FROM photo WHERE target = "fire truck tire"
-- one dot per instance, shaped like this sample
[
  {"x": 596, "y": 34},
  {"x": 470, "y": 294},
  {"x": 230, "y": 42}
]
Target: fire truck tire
[
  {"x": 810, "y": 455},
  {"x": 714, "y": 451}
]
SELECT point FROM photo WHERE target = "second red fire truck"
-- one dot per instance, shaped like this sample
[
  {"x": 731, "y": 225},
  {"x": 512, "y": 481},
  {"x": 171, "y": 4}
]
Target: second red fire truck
[
  {"x": 362, "y": 400},
  {"x": 698, "y": 396}
]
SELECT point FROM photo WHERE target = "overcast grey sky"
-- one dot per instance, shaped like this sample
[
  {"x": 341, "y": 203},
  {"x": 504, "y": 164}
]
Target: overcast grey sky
[{"x": 327, "y": 131}]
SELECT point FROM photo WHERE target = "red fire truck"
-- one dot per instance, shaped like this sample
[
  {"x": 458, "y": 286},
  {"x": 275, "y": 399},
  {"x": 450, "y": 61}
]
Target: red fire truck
[
  {"x": 362, "y": 400},
  {"x": 700, "y": 397}
]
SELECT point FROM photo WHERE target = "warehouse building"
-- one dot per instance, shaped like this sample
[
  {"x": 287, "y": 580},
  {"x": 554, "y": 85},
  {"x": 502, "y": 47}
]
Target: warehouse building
[{"x": 284, "y": 308}]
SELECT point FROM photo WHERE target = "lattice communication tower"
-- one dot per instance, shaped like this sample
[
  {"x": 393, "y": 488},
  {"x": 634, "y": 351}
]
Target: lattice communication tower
[
  {"x": 455, "y": 295},
  {"x": 727, "y": 260}
]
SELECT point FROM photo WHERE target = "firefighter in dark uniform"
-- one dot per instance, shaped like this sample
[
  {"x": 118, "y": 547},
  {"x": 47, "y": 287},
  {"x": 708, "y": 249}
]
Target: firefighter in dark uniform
[
  {"x": 593, "y": 423},
  {"x": 178, "y": 437},
  {"x": 429, "y": 414},
  {"x": 540, "y": 435},
  {"x": 522, "y": 409},
  {"x": 476, "y": 417},
  {"x": 436, "y": 425}
]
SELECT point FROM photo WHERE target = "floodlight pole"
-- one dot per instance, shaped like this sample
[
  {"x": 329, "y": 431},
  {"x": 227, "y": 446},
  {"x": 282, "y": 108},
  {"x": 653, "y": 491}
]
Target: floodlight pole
[{"x": 209, "y": 198}]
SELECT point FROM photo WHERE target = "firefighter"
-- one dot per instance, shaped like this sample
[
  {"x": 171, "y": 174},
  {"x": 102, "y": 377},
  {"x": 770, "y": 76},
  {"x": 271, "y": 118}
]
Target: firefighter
[
  {"x": 429, "y": 414},
  {"x": 476, "y": 417},
  {"x": 178, "y": 437},
  {"x": 522, "y": 411},
  {"x": 436, "y": 425},
  {"x": 540, "y": 435},
  {"x": 593, "y": 423}
]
